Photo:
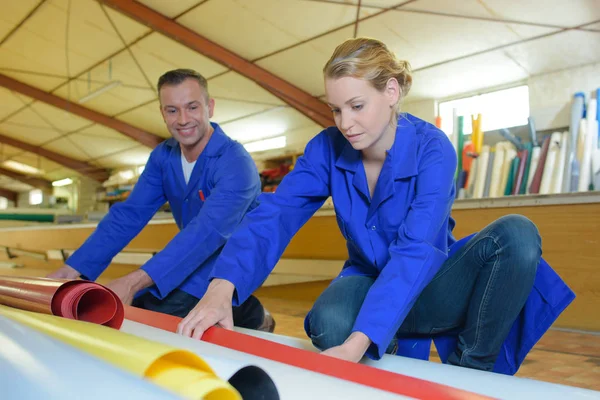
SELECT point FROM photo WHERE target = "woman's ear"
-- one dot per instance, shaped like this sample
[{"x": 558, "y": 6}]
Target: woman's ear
[{"x": 393, "y": 91}]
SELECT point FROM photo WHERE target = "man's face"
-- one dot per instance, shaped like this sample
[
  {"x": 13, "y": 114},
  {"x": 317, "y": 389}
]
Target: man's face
[{"x": 187, "y": 111}]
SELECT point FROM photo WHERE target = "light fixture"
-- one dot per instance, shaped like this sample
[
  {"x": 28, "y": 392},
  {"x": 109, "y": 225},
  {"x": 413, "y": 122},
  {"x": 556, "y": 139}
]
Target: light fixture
[
  {"x": 99, "y": 91},
  {"x": 254, "y": 131},
  {"x": 62, "y": 182},
  {"x": 126, "y": 175},
  {"x": 267, "y": 144},
  {"x": 17, "y": 166}
]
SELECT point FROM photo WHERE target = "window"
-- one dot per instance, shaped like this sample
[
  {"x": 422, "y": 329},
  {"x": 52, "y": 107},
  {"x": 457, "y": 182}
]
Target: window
[
  {"x": 3, "y": 203},
  {"x": 35, "y": 197},
  {"x": 500, "y": 109}
]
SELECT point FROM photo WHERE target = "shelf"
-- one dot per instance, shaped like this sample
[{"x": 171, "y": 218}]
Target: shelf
[{"x": 530, "y": 200}]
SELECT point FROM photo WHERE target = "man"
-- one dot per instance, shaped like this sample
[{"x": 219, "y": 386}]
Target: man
[{"x": 210, "y": 182}]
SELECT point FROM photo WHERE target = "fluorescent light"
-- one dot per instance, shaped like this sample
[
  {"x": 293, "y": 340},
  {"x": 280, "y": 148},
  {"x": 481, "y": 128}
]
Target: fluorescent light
[
  {"x": 62, "y": 182},
  {"x": 99, "y": 91},
  {"x": 126, "y": 175},
  {"x": 17, "y": 166},
  {"x": 253, "y": 131},
  {"x": 267, "y": 144}
]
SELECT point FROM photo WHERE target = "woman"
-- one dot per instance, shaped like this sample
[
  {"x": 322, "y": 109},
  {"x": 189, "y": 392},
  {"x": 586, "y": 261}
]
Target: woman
[{"x": 390, "y": 176}]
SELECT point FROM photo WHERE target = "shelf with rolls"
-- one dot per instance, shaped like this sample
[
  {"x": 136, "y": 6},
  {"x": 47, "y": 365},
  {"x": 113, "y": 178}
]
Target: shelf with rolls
[{"x": 521, "y": 161}]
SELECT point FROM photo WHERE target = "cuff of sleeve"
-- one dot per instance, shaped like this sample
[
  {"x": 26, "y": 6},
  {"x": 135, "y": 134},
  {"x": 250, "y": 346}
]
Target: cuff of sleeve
[
  {"x": 377, "y": 348},
  {"x": 85, "y": 268},
  {"x": 161, "y": 287},
  {"x": 239, "y": 294}
]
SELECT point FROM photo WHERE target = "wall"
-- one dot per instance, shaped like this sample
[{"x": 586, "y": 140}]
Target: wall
[
  {"x": 424, "y": 109},
  {"x": 86, "y": 196},
  {"x": 68, "y": 192},
  {"x": 9, "y": 203},
  {"x": 550, "y": 94},
  {"x": 23, "y": 200}
]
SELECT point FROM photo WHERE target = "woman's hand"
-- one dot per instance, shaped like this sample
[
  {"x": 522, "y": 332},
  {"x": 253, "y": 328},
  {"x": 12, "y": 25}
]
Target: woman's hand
[{"x": 353, "y": 349}]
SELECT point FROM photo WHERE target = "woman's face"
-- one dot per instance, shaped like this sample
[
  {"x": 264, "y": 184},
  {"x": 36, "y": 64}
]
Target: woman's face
[{"x": 361, "y": 112}]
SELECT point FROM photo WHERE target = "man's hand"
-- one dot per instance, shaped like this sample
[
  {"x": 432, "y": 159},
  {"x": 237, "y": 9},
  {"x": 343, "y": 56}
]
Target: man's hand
[
  {"x": 127, "y": 286},
  {"x": 213, "y": 309},
  {"x": 353, "y": 349},
  {"x": 65, "y": 272}
]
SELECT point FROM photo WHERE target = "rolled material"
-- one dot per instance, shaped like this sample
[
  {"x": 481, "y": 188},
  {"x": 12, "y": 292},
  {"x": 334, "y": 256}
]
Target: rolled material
[
  {"x": 561, "y": 158},
  {"x": 591, "y": 124},
  {"x": 35, "y": 366},
  {"x": 499, "y": 386},
  {"x": 488, "y": 175},
  {"x": 553, "y": 173},
  {"x": 179, "y": 371},
  {"x": 482, "y": 172},
  {"x": 522, "y": 163},
  {"x": 351, "y": 372},
  {"x": 253, "y": 383},
  {"x": 570, "y": 181},
  {"x": 535, "y": 158},
  {"x": 472, "y": 178},
  {"x": 507, "y": 168},
  {"x": 523, "y": 188},
  {"x": 72, "y": 299},
  {"x": 497, "y": 169},
  {"x": 541, "y": 166}
]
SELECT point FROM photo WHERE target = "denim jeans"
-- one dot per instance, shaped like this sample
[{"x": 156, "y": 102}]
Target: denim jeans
[
  {"x": 477, "y": 294},
  {"x": 249, "y": 314}
]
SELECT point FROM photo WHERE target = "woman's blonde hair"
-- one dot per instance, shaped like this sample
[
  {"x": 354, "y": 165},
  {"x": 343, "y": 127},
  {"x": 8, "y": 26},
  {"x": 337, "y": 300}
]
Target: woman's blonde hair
[{"x": 371, "y": 60}]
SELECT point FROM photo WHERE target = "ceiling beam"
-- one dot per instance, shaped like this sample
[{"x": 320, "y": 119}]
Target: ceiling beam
[
  {"x": 9, "y": 194},
  {"x": 81, "y": 167},
  {"x": 302, "y": 101},
  {"x": 147, "y": 139},
  {"x": 38, "y": 183}
]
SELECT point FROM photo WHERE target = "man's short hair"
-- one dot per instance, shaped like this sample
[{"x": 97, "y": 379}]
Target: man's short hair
[{"x": 176, "y": 76}]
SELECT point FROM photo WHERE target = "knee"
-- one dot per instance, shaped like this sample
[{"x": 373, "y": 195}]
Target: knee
[
  {"x": 520, "y": 236},
  {"x": 330, "y": 326}
]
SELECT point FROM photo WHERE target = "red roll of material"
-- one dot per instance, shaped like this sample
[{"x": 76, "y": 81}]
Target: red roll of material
[
  {"x": 362, "y": 374},
  {"x": 72, "y": 299}
]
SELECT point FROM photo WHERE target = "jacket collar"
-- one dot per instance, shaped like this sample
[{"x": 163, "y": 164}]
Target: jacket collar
[
  {"x": 215, "y": 147},
  {"x": 402, "y": 155}
]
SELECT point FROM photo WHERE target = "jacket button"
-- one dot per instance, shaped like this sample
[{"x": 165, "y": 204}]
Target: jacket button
[{"x": 373, "y": 228}]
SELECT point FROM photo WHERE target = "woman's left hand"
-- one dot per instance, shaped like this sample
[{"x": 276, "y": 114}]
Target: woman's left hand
[{"x": 353, "y": 349}]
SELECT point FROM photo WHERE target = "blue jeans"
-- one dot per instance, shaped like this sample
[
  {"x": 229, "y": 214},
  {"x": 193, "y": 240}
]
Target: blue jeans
[{"x": 477, "y": 294}]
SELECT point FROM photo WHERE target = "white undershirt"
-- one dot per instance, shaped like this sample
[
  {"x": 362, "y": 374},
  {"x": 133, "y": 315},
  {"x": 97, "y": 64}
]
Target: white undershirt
[{"x": 187, "y": 168}]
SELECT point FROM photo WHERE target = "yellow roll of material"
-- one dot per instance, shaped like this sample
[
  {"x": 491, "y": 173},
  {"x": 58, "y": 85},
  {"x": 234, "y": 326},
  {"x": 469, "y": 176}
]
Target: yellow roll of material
[{"x": 177, "y": 370}]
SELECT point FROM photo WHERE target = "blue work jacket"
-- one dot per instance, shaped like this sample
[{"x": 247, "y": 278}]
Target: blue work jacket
[
  {"x": 402, "y": 235},
  {"x": 230, "y": 185}
]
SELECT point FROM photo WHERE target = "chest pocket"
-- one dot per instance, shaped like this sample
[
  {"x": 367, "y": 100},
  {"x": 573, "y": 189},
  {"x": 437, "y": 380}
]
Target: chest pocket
[{"x": 393, "y": 212}]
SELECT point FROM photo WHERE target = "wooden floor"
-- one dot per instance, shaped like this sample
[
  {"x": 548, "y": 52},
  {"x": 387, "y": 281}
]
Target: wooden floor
[{"x": 567, "y": 358}]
